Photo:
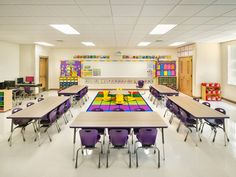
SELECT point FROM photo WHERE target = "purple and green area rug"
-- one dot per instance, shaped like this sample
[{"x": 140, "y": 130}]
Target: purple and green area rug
[{"x": 139, "y": 104}]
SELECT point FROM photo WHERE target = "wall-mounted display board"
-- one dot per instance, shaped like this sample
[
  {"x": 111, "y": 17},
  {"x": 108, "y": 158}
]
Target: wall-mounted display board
[
  {"x": 140, "y": 57},
  {"x": 92, "y": 56},
  {"x": 70, "y": 68},
  {"x": 166, "y": 68},
  {"x": 211, "y": 91}
]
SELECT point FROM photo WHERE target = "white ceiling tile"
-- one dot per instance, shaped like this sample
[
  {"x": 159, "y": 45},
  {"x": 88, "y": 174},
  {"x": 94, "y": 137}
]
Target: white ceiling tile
[
  {"x": 124, "y": 27},
  {"x": 100, "y": 20},
  {"x": 149, "y": 20},
  {"x": 119, "y": 10},
  {"x": 221, "y": 20},
  {"x": 124, "y": 20},
  {"x": 75, "y": 20},
  {"x": 204, "y": 27},
  {"x": 171, "y": 2},
  {"x": 186, "y": 10},
  {"x": 93, "y": 2},
  {"x": 37, "y": 2},
  {"x": 225, "y": 2},
  {"x": 144, "y": 27},
  {"x": 197, "y": 20},
  {"x": 231, "y": 13},
  {"x": 183, "y": 27},
  {"x": 173, "y": 20},
  {"x": 216, "y": 10},
  {"x": 96, "y": 11},
  {"x": 154, "y": 10},
  {"x": 196, "y": 1},
  {"x": 63, "y": 11},
  {"x": 138, "y": 2}
]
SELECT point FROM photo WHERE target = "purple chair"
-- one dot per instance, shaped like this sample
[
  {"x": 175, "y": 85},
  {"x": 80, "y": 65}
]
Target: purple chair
[
  {"x": 47, "y": 123},
  {"x": 140, "y": 85},
  {"x": 175, "y": 112},
  {"x": 118, "y": 138},
  {"x": 188, "y": 121},
  {"x": 89, "y": 139},
  {"x": 196, "y": 99},
  {"x": 216, "y": 123},
  {"x": 61, "y": 112},
  {"x": 157, "y": 97},
  {"x": 168, "y": 107},
  {"x": 28, "y": 92},
  {"x": 40, "y": 99},
  {"x": 147, "y": 138},
  {"x": 29, "y": 104},
  {"x": 67, "y": 107},
  {"x": 18, "y": 123}
]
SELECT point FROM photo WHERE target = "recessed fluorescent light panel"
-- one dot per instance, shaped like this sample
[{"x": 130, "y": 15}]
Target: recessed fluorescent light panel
[
  {"x": 64, "y": 28},
  {"x": 162, "y": 28},
  {"x": 177, "y": 43},
  {"x": 88, "y": 43},
  {"x": 142, "y": 44},
  {"x": 44, "y": 43}
]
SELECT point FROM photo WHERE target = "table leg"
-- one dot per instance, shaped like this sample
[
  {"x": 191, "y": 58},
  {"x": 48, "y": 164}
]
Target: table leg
[
  {"x": 74, "y": 141},
  {"x": 38, "y": 131},
  {"x": 197, "y": 132},
  {"x": 163, "y": 142},
  {"x": 10, "y": 138},
  {"x": 225, "y": 134}
]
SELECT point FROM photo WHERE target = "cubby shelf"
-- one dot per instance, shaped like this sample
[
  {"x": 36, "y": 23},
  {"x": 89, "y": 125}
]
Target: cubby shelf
[
  {"x": 211, "y": 91},
  {"x": 5, "y": 100}
]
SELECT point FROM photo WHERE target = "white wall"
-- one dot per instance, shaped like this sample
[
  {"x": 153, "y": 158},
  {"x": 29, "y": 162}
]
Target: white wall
[
  {"x": 207, "y": 65},
  {"x": 58, "y": 54},
  {"x": 9, "y": 61},
  {"x": 27, "y": 60},
  {"x": 228, "y": 91}
]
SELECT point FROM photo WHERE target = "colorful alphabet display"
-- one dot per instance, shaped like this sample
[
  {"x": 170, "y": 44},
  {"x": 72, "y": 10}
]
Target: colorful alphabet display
[
  {"x": 167, "y": 68},
  {"x": 70, "y": 68}
]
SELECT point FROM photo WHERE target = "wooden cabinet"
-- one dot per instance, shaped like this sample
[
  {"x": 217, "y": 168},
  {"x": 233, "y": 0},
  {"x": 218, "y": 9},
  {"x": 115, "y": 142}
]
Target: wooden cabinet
[{"x": 5, "y": 100}]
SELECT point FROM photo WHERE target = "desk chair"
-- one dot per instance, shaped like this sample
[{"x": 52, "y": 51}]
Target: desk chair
[
  {"x": 67, "y": 107},
  {"x": 216, "y": 123},
  {"x": 61, "y": 113},
  {"x": 89, "y": 138},
  {"x": 28, "y": 92},
  {"x": 118, "y": 138},
  {"x": 18, "y": 123},
  {"x": 147, "y": 138},
  {"x": 196, "y": 99},
  {"x": 140, "y": 85}
]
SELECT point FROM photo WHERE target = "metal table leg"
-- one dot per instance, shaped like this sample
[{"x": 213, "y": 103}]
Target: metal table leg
[
  {"x": 74, "y": 141},
  {"x": 163, "y": 142}
]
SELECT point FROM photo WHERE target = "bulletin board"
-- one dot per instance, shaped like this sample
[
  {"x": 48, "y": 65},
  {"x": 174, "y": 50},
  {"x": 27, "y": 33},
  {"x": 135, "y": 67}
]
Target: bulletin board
[
  {"x": 70, "y": 68},
  {"x": 119, "y": 68},
  {"x": 166, "y": 68}
]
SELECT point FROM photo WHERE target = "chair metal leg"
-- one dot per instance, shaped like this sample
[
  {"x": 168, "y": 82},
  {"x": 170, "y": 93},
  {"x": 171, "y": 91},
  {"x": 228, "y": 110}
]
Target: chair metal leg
[
  {"x": 179, "y": 126},
  {"x": 108, "y": 152},
  {"x": 171, "y": 118},
  {"x": 99, "y": 160},
  {"x": 58, "y": 127},
  {"x": 50, "y": 139},
  {"x": 215, "y": 131},
  {"x": 202, "y": 127},
  {"x": 165, "y": 112},
  {"x": 136, "y": 153},
  {"x": 22, "y": 132},
  {"x": 76, "y": 158},
  {"x": 185, "y": 139}
]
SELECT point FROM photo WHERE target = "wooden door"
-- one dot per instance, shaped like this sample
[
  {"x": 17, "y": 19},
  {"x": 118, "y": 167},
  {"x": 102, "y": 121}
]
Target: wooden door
[
  {"x": 185, "y": 75},
  {"x": 43, "y": 72}
]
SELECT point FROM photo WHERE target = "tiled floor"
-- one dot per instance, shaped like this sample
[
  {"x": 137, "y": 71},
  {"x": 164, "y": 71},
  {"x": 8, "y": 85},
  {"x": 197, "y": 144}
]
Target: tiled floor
[{"x": 183, "y": 159}]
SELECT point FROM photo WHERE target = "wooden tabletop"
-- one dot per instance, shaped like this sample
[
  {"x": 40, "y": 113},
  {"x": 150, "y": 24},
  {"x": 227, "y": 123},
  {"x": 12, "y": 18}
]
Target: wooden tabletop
[
  {"x": 118, "y": 119},
  {"x": 162, "y": 89},
  {"x": 195, "y": 108},
  {"x": 74, "y": 89},
  {"x": 40, "y": 109}
]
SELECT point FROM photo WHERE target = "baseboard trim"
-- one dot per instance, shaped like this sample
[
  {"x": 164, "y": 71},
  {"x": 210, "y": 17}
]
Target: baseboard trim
[{"x": 231, "y": 101}]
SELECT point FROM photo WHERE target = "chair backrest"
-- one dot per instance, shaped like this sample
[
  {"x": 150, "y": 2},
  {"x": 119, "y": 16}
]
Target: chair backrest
[
  {"x": 183, "y": 115},
  {"x": 89, "y": 137},
  {"x": 168, "y": 104},
  {"x": 221, "y": 110},
  {"x": 196, "y": 99},
  {"x": 15, "y": 110},
  {"x": 27, "y": 89},
  {"x": 67, "y": 104},
  {"x": 52, "y": 116},
  {"x": 141, "y": 83},
  {"x": 175, "y": 108},
  {"x": 206, "y": 103},
  {"x": 29, "y": 104},
  {"x": 19, "y": 121},
  {"x": 61, "y": 109},
  {"x": 118, "y": 137},
  {"x": 147, "y": 136},
  {"x": 40, "y": 99},
  {"x": 97, "y": 110}
]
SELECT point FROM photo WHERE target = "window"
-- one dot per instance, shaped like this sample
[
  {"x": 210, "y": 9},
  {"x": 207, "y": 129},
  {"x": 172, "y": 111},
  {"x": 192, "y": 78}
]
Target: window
[{"x": 232, "y": 65}]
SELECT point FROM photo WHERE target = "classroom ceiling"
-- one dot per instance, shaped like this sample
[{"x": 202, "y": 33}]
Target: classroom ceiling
[{"x": 117, "y": 23}]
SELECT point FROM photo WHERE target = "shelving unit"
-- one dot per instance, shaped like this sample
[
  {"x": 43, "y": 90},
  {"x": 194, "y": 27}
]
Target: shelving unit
[
  {"x": 5, "y": 100},
  {"x": 65, "y": 82},
  {"x": 211, "y": 91}
]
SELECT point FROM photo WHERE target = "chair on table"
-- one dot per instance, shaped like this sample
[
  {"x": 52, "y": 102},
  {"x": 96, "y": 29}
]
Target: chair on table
[
  {"x": 18, "y": 123},
  {"x": 89, "y": 138},
  {"x": 118, "y": 138},
  {"x": 147, "y": 138},
  {"x": 216, "y": 123},
  {"x": 40, "y": 99},
  {"x": 140, "y": 85},
  {"x": 188, "y": 122},
  {"x": 28, "y": 92},
  {"x": 61, "y": 112},
  {"x": 29, "y": 104},
  {"x": 47, "y": 123},
  {"x": 67, "y": 107},
  {"x": 196, "y": 99},
  {"x": 106, "y": 96}
]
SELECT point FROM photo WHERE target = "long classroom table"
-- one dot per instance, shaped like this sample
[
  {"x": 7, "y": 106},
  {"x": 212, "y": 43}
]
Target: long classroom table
[
  {"x": 164, "y": 90},
  {"x": 198, "y": 111},
  {"x": 72, "y": 90},
  {"x": 118, "y": 120},
  {"x": 38, "y": 110}
]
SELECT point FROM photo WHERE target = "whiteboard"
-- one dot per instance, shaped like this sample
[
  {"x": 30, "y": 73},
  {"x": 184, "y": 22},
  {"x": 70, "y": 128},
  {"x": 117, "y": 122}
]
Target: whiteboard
[{"x": 121, "y": 68}]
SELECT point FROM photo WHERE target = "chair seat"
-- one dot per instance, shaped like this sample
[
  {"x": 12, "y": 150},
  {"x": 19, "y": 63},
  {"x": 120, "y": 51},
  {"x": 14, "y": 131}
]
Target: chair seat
[
  {"x": 45, "y": 122},
  {"x": 213, "y": 122}
]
